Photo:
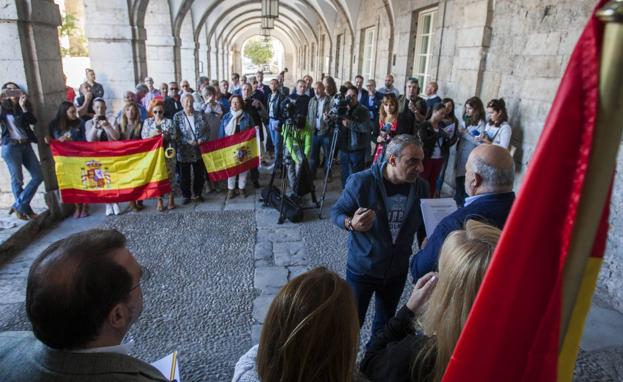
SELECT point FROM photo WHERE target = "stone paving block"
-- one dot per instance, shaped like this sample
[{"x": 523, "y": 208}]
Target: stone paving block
[
  {"x": 263, "y": 250},
  {"x": 297, "y": 271},
  {"x": 260, "y": 307},
  {"x": 285, "y": 234},
  {"x": 270, "y": 279},
  {"x": 289, "y": 253}
]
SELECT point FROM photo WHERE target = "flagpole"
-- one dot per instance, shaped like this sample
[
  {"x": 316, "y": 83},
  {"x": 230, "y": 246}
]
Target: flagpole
[{"x": 601, "y": 167}]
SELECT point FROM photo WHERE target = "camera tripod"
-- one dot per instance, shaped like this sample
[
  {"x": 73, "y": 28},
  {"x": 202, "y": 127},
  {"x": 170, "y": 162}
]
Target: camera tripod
[{"x": 282, "y": 164}]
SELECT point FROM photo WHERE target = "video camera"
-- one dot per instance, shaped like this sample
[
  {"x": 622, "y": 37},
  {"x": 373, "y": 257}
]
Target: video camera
[
  {"x": 289, "y": 114},
  {"x": 339, "y": 107}
]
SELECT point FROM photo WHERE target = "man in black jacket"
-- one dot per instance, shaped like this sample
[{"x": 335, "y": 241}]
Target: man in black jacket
[
  {"x": 172, "y": 102},
  {"x": 354, "y": 136},
  {"x": 256, "y": 111}
]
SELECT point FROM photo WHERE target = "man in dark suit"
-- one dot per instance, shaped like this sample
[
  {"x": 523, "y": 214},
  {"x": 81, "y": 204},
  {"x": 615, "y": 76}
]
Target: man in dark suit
[
  {"x": 283, "y": 89},
  {"x": 490, "y": 173},
  {"x": 362, "y": 94},
  {"x": 83, "y": 293}
]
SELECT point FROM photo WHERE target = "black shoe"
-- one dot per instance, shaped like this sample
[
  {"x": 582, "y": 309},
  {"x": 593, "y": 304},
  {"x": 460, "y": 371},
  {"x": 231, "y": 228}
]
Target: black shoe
[
  {"x": 185, "y": 201},
  {"x": 256, "y": 184},
  {"x": 199, "y": 199}
]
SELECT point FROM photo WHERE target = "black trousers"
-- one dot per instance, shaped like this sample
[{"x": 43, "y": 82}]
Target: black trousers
[{"x": 198, "y": 178}]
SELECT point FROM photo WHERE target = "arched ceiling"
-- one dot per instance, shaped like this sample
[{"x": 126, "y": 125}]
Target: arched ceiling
[
  {"x": 294, "y": 22},
  {"x": 219, "y": 15},
  {"x": 252, "y": 28}
]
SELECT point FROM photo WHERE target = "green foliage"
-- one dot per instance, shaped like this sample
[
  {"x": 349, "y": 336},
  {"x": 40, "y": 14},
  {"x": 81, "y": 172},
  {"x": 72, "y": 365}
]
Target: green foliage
[
  {"x": 258, "y": 51},
  {"x": 70, "y": 29}
]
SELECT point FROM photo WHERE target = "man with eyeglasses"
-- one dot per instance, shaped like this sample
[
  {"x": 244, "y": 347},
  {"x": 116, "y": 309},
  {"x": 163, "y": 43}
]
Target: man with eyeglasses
[
  {"x": 79, "y": 320},
  {"x": 172, "y": 102}
]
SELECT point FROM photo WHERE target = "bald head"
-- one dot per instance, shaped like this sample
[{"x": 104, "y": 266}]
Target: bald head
[{"x": 489, "y": 168}]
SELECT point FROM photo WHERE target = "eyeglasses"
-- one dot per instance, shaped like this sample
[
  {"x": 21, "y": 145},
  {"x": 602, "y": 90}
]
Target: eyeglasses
[
  {"x": 145, "y": 276},
  {"x": 158, "y": 112}
]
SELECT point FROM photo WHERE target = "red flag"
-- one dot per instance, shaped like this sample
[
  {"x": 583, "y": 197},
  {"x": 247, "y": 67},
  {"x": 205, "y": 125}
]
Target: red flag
[{"x": 512, "y": 333}]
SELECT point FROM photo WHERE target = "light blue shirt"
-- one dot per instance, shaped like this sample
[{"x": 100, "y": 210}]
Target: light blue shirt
[{"x": 470, "y": 199}]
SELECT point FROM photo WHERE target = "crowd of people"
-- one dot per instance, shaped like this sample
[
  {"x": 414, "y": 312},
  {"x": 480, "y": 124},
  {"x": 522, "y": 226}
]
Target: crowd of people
[
  {"x": 393, "y": 151},
  {"x": 297, "y": 123}
]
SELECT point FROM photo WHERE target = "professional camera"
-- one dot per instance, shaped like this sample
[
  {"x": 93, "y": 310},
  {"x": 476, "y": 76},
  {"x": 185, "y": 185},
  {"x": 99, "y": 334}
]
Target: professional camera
[
  {"x": 290, "y": 115},
  {"x": 339, "y": 108}
]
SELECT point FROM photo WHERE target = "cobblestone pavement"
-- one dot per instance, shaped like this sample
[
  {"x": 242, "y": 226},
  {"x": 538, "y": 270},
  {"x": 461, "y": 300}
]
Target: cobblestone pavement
[{"x": 215, "y": 268}]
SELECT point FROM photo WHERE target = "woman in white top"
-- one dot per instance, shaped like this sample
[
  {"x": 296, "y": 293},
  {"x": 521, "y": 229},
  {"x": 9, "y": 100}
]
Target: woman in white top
[
  {"x": 498, "y": 131},
  {"x": 99, "y": 129}
]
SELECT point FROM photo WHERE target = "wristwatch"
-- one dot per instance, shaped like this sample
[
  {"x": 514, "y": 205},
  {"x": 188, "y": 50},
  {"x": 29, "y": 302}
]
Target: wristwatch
[{"x": 349, "y": 224}]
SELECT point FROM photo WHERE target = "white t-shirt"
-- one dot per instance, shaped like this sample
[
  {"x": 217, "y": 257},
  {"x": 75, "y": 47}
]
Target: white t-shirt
[{"x": 500, "y": 136}]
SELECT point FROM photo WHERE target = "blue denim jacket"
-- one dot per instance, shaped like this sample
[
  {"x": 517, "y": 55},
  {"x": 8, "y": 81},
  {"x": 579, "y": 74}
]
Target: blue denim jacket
[
  {"x": 373, "y": 253},
  {"x": 245, "y": 124}
]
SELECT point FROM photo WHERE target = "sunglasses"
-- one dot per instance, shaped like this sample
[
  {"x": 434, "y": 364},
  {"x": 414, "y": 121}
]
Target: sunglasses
[{"x": 158, "y": 112}]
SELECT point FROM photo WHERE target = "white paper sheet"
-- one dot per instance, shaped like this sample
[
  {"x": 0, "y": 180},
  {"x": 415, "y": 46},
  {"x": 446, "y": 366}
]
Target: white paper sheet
[
  {"x": 165, "y": 364},
  {"x": 434, "y": 210}
]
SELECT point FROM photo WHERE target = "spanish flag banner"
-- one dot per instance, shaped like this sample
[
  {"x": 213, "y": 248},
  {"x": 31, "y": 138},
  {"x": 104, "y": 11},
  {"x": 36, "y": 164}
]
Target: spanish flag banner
[
  {"x": 231, "y": 155},
  {"x": 110, "y": 172},
  {"x": 527, "y": 320}
]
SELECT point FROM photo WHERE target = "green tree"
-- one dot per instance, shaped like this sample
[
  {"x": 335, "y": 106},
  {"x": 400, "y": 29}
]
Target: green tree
[
  {"x": 77, "y": 42},
  {"x": 258, "y": 51}
]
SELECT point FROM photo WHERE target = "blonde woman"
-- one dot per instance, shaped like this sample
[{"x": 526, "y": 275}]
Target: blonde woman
[
  {"x": 157, "y": 125},
  {"x": 310, "y": 334},
  {"x": 441, "y": 303}
]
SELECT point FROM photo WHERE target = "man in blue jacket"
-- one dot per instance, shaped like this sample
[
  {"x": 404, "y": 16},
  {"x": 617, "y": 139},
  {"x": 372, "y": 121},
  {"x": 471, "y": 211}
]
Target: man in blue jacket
[
  {"x": 489, "y": 177},
  {"x": 380, "y": 207}
]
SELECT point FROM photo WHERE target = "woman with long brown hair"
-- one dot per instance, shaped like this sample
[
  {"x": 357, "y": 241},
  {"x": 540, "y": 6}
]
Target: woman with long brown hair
[
  {"x": 471, "y": 128},
  {"x": 442, "y": 302},
  {"x": 387, "y": 126},
  {"x": 310, "y": 333}
]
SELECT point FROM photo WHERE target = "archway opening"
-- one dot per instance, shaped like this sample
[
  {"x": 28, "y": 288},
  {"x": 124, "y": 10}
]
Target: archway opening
[{"x": 262, "y": 53}]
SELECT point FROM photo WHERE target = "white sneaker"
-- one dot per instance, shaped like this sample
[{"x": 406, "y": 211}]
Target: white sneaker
[
  {"x": 109, "y": 210},
  {"x": 115, "y": 208}
]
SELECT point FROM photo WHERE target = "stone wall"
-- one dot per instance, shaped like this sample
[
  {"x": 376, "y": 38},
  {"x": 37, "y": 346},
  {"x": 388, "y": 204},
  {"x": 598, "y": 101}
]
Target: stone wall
[{"x": 517, "y": 50}]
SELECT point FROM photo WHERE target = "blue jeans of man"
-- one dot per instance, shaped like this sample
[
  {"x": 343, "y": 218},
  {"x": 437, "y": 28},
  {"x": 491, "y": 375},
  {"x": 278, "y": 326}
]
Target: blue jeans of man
[
  {"x": 275, "y": 136},
  {"x": 318, "y": 142},
  {"x": 386, "y": 297},
  {"x": 351, "y": 162},
  {"x": 17, "y": 155}
]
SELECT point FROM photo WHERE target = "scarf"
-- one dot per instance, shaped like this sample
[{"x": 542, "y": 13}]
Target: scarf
[{"x": 230, "y": 129}]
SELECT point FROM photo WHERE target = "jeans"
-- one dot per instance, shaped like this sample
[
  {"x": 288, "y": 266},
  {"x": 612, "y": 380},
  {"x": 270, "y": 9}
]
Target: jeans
[
  {"x": 324, "y": 142},
  {"x": 276, "y": 138},
  {"x": 351, "y": 162},
  {"x": 386, "y": 297},
  {"x": 17, "y": 155},
  {"x": 199, "y": 171}
]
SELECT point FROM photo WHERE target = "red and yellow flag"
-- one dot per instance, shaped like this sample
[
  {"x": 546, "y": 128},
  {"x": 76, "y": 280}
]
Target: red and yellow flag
[
  {"x": 110, "y": 172},
  {"x": 231, "y": 155},
  {"x": 517, "y": 330}
]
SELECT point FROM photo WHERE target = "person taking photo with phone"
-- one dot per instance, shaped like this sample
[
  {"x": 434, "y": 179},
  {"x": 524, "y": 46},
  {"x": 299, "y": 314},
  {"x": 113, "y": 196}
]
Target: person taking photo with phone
[{"x": 17, "y": 137}]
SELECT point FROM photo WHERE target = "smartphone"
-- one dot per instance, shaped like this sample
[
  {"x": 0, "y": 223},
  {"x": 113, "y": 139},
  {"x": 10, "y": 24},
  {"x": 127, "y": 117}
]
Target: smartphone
[{"x": 13, "y": 93}]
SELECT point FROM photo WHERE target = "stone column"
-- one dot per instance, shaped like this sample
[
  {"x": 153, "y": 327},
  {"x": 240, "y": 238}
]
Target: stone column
[
  {"x": 188, "y": 51},
  {"x": 111, "y": 48},
  {"x": 31, "y": 58}
]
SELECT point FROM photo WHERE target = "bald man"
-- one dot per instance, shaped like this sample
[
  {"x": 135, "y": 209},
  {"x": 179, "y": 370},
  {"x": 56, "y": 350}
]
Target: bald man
[{"x": 489, "y": 177}]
